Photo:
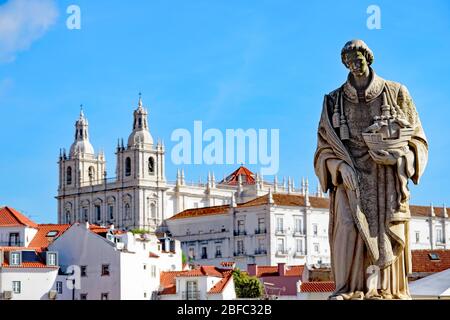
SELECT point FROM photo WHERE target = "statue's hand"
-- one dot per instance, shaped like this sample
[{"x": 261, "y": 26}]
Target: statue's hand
[
  {"x": 384, "y": 157},
  {"x": 348, "y": 176}
]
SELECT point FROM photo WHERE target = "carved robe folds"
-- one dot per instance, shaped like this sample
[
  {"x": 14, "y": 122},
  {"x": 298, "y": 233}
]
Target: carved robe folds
[{"x": 368, "y": 226}]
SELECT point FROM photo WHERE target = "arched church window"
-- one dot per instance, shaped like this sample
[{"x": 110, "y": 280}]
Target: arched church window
[
  {"x": 69, "y": 175},
  {"x": 128, "y": 166},
  {"x": 140, "y": 122},
  {"x": 91, "y": 173},
  {"x": 151, "y": 165},
  {"x": 68, "y": 217},
  {"x": 127, "y": 211}
]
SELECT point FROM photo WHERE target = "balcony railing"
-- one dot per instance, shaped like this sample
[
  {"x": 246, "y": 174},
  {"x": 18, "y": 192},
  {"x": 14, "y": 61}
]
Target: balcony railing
[
  {"x": 260, "y": 251},
  {"x": 281, "y": 252},
  {"x": 190, "y": 295},
  {"x": 204, "y": 256},
  {"x": 239, "y": 253},
  {"x": 298, "y": 233},
  {"x": 260, "y": 230},
  {"x": 240, "y": 232},
  {"x": 280, "y": 231}
]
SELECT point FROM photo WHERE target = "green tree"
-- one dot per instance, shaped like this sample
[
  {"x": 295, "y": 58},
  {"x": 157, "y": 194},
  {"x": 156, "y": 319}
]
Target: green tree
[{"x": 246, "y": 286}]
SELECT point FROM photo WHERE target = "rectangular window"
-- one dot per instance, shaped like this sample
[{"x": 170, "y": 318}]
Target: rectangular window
[
  {"x": 315, "y": 229},
  {"x": 14, "y": 239},
  {"x": 59, "y": 287},
  {"x": 240, "y": 246},
  {"x": 191, "y": 253},
  {"x": 299, "y": 245},
  {"x": 261, "y": 244},
  {"x": 83, "y": 271},
  {"x": 51, "y": 259},
  {"x": 153, "y": 271},
  {"x": 15, "y": 258},
  {"x": 111, "y": 212},
  {"x": 439, "y": 237},
  {"x": 105, "y": 296},
  {"x": 105, "y": 269},
  {"x": 218, "y": 252},
  {"x": 17, "y": 286},
  {"x": 298, "y": 225},
  {"x": 261, "y": 225},
  {"x": 280, "y": 245},
  {"x": 98, "y": 213},
  {"x": 83, "y": 296},
  {"x": 85, "y": 215},
  {"x": 417, "y": 236},
  {"x": 204, "y": 253},
  {"x": 241, "y": 226},
  {"x": 192, "y": 290},
  {"x": 280, "y": 224}
]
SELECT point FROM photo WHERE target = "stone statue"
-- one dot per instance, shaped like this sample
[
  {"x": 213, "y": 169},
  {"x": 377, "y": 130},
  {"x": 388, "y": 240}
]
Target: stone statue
[{"x": 370, "y": 142}]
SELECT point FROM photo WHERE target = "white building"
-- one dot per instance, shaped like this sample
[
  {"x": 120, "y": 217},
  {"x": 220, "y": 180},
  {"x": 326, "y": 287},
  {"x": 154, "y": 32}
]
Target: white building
[
  {"x": 271, "y": 229},
  {"x": 41, "y": 261},
  {"x": 27, "y": 270},
  {"x": 113, "y": 265},
  {"x": 201, "y": 283},
  {"x": 281, "y": 228}
]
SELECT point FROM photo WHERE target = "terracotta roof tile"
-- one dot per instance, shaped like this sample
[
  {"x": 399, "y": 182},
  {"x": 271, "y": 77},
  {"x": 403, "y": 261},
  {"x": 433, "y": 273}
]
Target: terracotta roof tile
[
  {"x": 248, "y": 177},
  {"x": 221, "y": 285},
  {"x": 421, "y": 261},
  {"x": 42, "y": 239},
  {"x": 318, "y": 286},
  {"x": 200, "y": 212},
  {"x": 10, "y": 217},
  {"x": 167, "y": 278},
  {"x": 272, "y": 271}
]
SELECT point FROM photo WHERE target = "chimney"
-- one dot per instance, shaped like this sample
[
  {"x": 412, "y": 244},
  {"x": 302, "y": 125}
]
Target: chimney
[
  {"x": 252, "y": 269},
  {"x": 281, "y": 269}
]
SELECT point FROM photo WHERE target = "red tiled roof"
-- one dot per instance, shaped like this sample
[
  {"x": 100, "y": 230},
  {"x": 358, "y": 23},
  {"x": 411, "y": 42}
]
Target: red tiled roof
[
  {"x": 318, "y": 286},
  {"x": 153, "y": 255},
  {"x": 221, "y": 285},
  {"x": 41, "y": 240},
  {"x": 233, "y": 178},
  {"x": 272, "y": 271},
  {"x": 167, "y": 278},
  {"x": 426, "y": 211},
  {"x": 167, "y": 282},
  {"x": 10, "y": 217},
  {"x": 294, "y": 200},
  {"x": 421, "y": 261},
  {"x": 200, "y": 212},
  {"x": 98, "y": 229}
]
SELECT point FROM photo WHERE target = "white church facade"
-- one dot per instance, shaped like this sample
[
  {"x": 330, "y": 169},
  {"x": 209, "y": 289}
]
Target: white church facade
[{"x": 139, "y": 196}]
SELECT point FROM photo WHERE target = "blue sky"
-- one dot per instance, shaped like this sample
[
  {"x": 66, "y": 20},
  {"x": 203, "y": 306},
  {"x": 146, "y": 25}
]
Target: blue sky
[{"x": 231, "y": 64}]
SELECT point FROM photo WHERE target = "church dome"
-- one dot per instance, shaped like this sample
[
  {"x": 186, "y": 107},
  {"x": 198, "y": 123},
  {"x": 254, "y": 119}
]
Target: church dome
[
  {"x": 81, "y": 146},
  {"x": 139, "y": 137}
]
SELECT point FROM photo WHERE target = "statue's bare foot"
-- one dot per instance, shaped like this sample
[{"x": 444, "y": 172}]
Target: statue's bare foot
[{"x": 358, "y": 295}]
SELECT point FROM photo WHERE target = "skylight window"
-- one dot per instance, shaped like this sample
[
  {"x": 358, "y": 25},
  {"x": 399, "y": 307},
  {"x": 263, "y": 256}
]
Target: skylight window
[
  {"x": 434, "y": 256},
  {"x": 52, "y": 234}
]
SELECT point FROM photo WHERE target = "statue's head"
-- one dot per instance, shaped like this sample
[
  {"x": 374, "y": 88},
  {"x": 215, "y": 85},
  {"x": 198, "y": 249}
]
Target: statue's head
[{"x": 357, "y": 57}]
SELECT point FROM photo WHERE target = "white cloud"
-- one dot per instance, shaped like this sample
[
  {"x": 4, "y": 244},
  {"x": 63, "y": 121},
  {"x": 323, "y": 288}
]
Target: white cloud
[{"x": 22, "y": 22}]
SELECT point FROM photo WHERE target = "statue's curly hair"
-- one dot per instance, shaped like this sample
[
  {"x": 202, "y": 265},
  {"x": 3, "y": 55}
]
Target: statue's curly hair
[{"x": 356, "y": 45}]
